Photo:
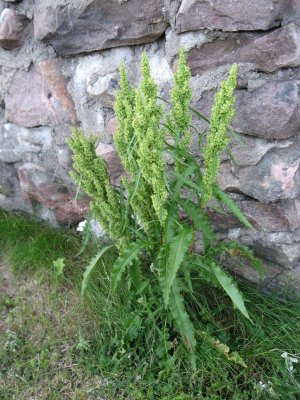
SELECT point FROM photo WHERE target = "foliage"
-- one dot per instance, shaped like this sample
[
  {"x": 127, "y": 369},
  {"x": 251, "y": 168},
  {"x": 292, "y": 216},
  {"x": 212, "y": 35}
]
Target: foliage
[
  {"x": 59, "y": 266},
  {"x": 155, "y": 215},
  {"x": 52, "y": 346}
]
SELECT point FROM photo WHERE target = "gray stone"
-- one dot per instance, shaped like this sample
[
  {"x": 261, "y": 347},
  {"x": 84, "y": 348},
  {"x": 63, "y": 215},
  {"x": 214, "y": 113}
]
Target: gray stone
[
  {"x": 103, "y": 87},
  {"x": 231, "y": 15},
  {"x": 11, "y": 29},
  {"x": 288, "y": 281},
  {"x": 242, "y": 267},
  {"x": 10, "y": 193},
  {"x": 98, "y": 24},
  {"x": 15, "y": 141},
  {"x": 187, "y": 41},
  {"x": 270, "y": 112},
  {"x": 264, "y": 217},
  {"x": 275, "y": 177},
  {"x": 248, "y": 150},
  {"x": 91, "y": 111},
  {"x": 287, "y": 255},
  {"x": 64, "y": 157},
  {"x": 292, "y": 12},
  {"x": 267, "y": 52},
  {"x": 6, "y": 78}
]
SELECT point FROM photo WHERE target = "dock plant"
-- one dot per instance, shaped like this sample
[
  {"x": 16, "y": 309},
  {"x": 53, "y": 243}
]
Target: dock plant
[{"x": 155, "y": 215}]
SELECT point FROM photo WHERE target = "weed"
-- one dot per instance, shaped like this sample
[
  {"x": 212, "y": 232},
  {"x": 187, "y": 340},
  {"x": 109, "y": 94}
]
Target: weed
[
  {"x": 43, "y": 320},
  {"x": 154, "y": 215}
]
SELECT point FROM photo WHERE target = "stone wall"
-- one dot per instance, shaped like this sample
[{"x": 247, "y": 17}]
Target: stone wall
[{"x": 59, "y": 68}]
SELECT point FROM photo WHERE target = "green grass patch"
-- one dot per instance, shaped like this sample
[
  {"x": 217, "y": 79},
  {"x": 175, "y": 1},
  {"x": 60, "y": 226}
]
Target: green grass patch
[{"x": 54, "y": 346}]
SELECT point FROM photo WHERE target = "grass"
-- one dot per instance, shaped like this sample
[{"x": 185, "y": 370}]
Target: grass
[{"x": 54, "y": 346}]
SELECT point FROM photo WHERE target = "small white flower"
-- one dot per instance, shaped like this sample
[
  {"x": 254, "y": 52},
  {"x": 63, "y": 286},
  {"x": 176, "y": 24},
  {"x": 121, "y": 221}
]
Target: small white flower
[{"x": 81, "y": 226}]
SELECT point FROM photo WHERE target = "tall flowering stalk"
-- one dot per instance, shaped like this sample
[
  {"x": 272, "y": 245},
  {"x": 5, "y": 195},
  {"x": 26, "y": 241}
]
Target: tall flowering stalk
[
  {"x": 217, "y": 138},
  {"x": 153, "y": 222}
]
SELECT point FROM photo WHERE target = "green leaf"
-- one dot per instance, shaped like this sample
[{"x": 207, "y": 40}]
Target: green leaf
[
  {"x": 225, "y": 350},
  {"x": 237, "y": 359},
  {"x": 178, "y": 248},
  {"x": 182, "y": 319},
  {"x": 134, "y": 189},
  {"x": 124, "y": 259},
  {"x": 232, "y": 207},
  {"x": 181, "y": 181},
  {"x": 171, "y": 222},
  {"x": 205, "y": 272},
  {"x": 230, "y": 288},
  {"x": 199, "y": 218},
  {"x": 59, "y": 266},
  {"x": 90, "y": 268}
]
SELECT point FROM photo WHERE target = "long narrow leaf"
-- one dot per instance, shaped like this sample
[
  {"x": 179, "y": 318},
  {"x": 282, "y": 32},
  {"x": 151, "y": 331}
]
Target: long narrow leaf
[
  {"x": 178, "y": 248},
  {"x": 199, "y": 114},
  {"x": 124, "y": 259},
  {"x": 233, "y": 207},
  {"x": 182, "y": 319},
  {"x": 199, "y": 218},
  {"x": 90, "y": 268},
  {"x": 181, "y": 181},
  {"x": 170, "y": 225},
  {"x": 230, "y": 288}
]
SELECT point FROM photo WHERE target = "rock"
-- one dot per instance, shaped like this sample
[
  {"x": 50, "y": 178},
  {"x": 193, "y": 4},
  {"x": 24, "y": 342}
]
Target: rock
[
  {"x": 39, "y": 97},
  {"x": 292, "y": 12},
  {"x": 275, "y": 177},
  {"x": 270, "y": 112},
  {"x": 160, "y": 70},
  {"x": 6, "y": 78},
  {"x": 272, "y": 217},
  {"x": 242, "y": 267},
  {"x": 268, "y": 52},
  {"x": 39, "y": 185},
  {"x": 15, "y": 141},
  {"x": 187, "y": 41},
  {"x": 57, "y": 84},
  {"x": 10, "y": 193},
  {"x": 112, "y": 159},
  {"x": 112, "y": 126},
  {"x": 98, "y": 24},
  {"x": 277, "y": 49},
  {"x": 288, "y": 281},
  {"x": 287, "y": 255},
  {"x": 248, "y": 150},
  {"x": 232, "y": 15},
  {"x": 11, "y": 29},
  {"x": 103, "y": 87},
  {"x": 64, "y": 157},
  {"x": 89, "y": 109},
  {"x": 265, "y": 217}
]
